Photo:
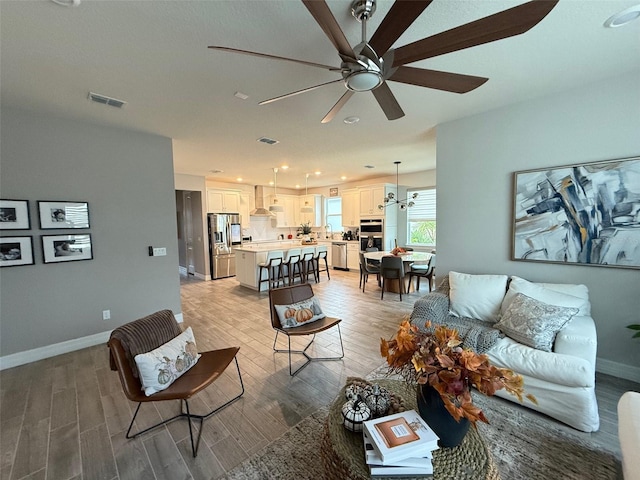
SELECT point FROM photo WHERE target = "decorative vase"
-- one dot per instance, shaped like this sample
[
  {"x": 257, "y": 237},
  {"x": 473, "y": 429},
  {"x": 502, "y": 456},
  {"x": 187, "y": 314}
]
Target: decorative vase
[{"x": 432, "y": 410}]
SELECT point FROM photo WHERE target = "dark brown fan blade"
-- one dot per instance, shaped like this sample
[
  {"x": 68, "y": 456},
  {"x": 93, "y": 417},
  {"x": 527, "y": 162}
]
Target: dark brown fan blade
[
  {"x": 400, "y": 16},
  {"x": 336, "y": 108},
  {"x": 388, "y": 102},
  {"x": 298, "y": 92},
  {"x": 507, "y": 23},
  {"x": 322, "y": 14},
  {"x": 275, "y": 57},
  {"x": 449, "y": 82}
]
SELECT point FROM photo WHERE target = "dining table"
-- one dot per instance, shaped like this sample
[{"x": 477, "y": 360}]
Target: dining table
[{"x": 408, "y": 258}]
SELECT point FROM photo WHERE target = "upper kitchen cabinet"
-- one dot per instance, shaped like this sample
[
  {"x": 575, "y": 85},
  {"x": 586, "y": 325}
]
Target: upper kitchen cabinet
[
  {"x": 351, "y": 207},
  {"x": 314, "y": 219},
  {"x": 247, "y": 202},
  {"x": 373, "y": 195},
  {"x": 290, "y": 217},
  {"x": 223, "y": 201}
]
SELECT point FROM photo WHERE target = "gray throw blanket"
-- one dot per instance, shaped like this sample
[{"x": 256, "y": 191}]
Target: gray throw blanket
[
  {"x": 144, "y": 335},
  {"x": 475, "y": 334}
]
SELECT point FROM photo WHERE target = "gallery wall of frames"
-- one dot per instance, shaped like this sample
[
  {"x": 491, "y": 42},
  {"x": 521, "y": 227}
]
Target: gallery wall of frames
[{"x": 68, "y": 241}]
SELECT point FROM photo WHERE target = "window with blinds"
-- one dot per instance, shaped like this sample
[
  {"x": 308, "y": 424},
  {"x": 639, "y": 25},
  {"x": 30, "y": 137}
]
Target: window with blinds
[{"x": 421, "y": 218}]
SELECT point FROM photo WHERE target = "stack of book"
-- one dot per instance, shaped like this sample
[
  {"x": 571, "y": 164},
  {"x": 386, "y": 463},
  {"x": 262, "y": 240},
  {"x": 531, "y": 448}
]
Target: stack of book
[{"x": 400, "y": 445}]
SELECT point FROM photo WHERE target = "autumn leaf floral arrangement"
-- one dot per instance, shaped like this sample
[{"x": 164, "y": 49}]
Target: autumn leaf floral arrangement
[{"x": 435, "y": 357}]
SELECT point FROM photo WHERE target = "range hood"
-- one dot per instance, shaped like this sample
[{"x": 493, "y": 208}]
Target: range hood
[{"x": 260, "y": 211}]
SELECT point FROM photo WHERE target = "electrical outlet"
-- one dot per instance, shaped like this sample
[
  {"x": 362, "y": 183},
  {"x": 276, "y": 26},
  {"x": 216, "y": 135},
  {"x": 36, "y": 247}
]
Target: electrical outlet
[
  {"x": 106, "y": 314},
  {"x": 159, "y": 252}
]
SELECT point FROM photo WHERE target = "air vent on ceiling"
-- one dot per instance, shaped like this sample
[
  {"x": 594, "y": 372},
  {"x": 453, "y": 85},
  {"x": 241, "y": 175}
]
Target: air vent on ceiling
[
  {"x": 113, "y": 102},
  {"x": 268, "y": 141}
]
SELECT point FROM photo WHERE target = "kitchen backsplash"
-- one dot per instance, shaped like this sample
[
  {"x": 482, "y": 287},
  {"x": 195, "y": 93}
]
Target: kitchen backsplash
[{"x": 261, "y": 228}]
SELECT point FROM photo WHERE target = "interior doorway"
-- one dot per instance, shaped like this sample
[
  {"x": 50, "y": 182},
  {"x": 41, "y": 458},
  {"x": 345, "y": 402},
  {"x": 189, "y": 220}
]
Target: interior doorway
[{"x": 190, "y": 233}]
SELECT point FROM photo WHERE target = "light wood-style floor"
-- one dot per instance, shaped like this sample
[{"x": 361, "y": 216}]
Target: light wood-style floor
[{"x": 65, "y": 417}]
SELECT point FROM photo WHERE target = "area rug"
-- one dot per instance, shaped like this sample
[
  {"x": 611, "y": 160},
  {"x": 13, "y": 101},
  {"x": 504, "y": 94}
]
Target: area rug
[{"x": 524, "y": 444}]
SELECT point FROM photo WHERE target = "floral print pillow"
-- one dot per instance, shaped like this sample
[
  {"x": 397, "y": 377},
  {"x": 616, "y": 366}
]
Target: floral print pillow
[{"x": 161, "y": 367}]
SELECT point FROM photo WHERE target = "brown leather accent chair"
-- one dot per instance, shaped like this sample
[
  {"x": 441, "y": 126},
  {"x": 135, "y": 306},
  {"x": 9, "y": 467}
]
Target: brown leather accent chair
[
  {"x": 294, "y": 294},
  {"x": 148, "y": 333}
]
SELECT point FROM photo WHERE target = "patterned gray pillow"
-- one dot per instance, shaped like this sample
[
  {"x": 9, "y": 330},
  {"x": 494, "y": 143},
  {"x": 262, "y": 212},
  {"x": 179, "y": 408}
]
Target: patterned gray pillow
[{"x": 534, "y": 323}]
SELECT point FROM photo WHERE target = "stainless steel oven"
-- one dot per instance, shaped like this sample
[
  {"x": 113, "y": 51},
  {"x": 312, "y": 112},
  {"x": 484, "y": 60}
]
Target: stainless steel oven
[
  {"x": 371, "y": 227},
  {"x": 372, "y": 233},
  {"x": 371, "y": 241}
]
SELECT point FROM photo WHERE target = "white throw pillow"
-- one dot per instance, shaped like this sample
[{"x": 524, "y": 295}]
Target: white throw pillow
[
  {"x": 476, "y": 296},
  {"x": 534, "y": 323},
  {"x": 546, "y": 294},
  {"x": 297, "y": 314},
  {"x": 161, "y": 367}
]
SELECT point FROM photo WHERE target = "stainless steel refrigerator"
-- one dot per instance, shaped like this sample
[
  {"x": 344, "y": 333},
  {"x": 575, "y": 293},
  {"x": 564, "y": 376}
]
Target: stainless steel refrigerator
[{"x": 225, "y": 233}]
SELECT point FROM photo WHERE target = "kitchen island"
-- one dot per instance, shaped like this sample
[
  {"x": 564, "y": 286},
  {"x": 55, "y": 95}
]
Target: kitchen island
[{"x": 249, "y": 256}]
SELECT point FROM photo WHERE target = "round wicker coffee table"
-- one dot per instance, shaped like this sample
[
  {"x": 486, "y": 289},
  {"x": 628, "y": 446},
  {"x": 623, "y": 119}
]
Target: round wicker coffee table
[{"x": 343, "y": 451}]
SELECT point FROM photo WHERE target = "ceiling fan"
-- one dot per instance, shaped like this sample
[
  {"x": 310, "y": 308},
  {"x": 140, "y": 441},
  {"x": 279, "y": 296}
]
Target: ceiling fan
[{"x": 370, "y": 64}]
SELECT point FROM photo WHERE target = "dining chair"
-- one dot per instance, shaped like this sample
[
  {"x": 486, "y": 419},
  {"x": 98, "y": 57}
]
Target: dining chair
[
  {"x": 291, "y": 295},
  {"x": 423, "y": 271},
  {"x": 367, "y": 268},
  {"x": 392, "y": 268},
  {"x": 147, "y": 334}
]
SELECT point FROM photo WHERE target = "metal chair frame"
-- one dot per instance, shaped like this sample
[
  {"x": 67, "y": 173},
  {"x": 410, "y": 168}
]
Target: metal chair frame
[{"x": 294, "y": 294}]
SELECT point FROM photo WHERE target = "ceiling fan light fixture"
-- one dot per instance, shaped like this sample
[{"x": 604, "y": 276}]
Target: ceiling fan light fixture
[{"x": 363, "y": 81}]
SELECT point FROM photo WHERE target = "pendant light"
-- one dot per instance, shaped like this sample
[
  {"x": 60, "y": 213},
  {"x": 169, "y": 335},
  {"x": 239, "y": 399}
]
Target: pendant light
[
  {"x": 306, "y": 208},
  {"x": 391, "y": 200},
  {"x": 275, "y": 207}
]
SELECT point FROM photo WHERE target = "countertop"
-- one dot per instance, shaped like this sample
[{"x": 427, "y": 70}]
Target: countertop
[{"x": 266, "y": 246}]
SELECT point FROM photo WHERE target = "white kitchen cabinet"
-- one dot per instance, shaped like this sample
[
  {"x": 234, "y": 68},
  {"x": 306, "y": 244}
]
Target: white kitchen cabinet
[
  {"x": 315, "y": 202},
  {"x": 246, "y": 205},
  {"x": 290, "y": 217},
  {"x": 353, "y": 256},
  {"x": 370, "y": 198},
  {"x": 351, "y": 208},
  {"x": 223, "y": 201}
]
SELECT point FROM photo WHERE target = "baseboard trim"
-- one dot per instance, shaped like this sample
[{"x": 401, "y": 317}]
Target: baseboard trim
[
  {"x": 28, "y": 356},
  {"x": 620, "y": 370}
]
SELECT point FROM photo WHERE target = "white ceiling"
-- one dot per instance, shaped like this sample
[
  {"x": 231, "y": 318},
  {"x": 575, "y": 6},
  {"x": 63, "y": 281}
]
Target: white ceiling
[{"x": 154, "y": 55}]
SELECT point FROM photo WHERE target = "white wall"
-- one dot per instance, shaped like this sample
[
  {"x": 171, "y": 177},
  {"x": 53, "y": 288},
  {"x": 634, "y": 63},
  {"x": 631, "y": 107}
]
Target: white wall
[
  {"x": 127, "y": 179},
  {"x": 476, "y": 160}
]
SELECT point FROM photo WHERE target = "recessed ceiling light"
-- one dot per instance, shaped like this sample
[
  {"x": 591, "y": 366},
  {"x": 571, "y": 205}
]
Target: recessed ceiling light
[
  {"x": 623, "y": 17},
  {"x": 284, "y": 167},
  {"x": 318, "y": 172},
  {"x": 241, "y": 95},
  {"x": 343, "y": 178},
  {"x": 351, "y": 120},
  {"x": 239, "y": 179},
  {"x": 297, "y": 186},
  {"x": 271, "y": 182},
  {"x": 369, "y": 166}
]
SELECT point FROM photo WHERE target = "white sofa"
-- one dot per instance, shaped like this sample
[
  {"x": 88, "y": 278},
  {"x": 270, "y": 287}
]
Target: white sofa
[
  {"x": 629, "y": 434},
  {"x": 563, "y": 379}
]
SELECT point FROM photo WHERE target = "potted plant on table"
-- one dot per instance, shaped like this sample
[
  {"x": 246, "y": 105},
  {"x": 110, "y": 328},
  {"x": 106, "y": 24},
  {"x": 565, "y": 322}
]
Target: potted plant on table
[{"x": 444, "y": 372}]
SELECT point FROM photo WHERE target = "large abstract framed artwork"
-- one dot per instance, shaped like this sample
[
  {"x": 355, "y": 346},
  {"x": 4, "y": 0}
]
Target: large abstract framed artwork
[{"x": 587, "y": 214}]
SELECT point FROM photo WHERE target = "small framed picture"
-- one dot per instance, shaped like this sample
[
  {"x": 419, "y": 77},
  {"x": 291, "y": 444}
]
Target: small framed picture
[
  {"x": 15, "y": 251},
  {"x": 14, "y": 215},
  {"x": 333, "y": 192},
  {"x": 66, "y": 248},
  {"x": 63, "y": 215}
]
